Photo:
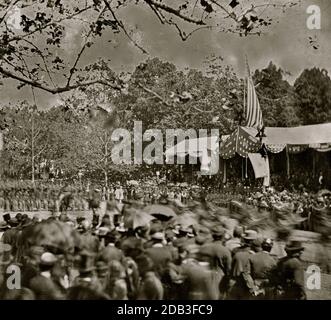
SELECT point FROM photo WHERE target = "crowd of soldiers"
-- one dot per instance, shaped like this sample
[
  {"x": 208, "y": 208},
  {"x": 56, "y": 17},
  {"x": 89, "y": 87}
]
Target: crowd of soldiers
[
  {"x": 211, "y": 257},
  {"x": 73, "y": 198}
]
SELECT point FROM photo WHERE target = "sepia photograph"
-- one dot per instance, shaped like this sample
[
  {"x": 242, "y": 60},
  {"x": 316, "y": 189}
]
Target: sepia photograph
[{"x": 165, "y": 150}]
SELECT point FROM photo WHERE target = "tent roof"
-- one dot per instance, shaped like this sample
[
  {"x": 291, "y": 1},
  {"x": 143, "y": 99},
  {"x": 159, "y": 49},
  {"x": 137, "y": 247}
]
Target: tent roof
[
  {"x": 193, "y": 147},
  {"x": 312, "y": 134}
]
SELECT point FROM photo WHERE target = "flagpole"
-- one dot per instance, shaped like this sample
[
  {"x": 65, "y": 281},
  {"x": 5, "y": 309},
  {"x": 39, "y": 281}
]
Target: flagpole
[
  {"x": 245, "y": 79},
  {"x": 244, "y": 99}
]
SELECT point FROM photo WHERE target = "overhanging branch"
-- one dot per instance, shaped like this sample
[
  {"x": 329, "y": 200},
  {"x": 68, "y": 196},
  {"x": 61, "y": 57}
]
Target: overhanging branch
[
  {"x": 174, "y": 11},
  {"x": 38, "y": 85}
]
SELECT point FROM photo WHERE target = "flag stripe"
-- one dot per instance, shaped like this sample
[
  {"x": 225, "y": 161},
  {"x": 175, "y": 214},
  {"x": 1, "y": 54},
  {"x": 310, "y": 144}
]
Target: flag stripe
[{"x": 254, "y": 113}]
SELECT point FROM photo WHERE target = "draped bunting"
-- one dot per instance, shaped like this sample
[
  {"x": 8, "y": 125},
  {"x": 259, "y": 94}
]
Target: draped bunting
[
  {"x": 240, "y": 142},
  {"x": 321, "y": 147},
  {"x": 275, "y": 148},
  {"x": 228, "y": 147},
  {"x": 297, "y": 148}
]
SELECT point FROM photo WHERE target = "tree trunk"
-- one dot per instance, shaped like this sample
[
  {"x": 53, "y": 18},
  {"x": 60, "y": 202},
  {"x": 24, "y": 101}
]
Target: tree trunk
[
  {"x": 106, "y": 160},
  {"x": 106, "y": 178},
  {"x": 32, "y": 149}
]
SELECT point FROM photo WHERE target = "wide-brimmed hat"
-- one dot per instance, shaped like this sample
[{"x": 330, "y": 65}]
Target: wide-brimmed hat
[
  {"x": 294, "y": 246},
  {"x": 48, "y": 259},
  {"x": 4, "y": 226},
  {"x": 250, "y": 235},
  {"x": 158, "y": 236}
]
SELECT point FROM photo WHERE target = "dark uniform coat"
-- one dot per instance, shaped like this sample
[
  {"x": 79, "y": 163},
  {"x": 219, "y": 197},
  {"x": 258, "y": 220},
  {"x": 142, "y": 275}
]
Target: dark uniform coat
[
  {"x": 46, "y": 288},
  {"x": 150, "y": 288},
  {"x": 198, "y": 282},
  {"x": 241, "y": 274},
  {"x": 291, "y": 278}
]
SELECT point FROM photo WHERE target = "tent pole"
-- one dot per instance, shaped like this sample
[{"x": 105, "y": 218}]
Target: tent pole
[
  {"x": 314, "y": 163},
  {"x": 246, "y": 175},
  {"x": 224, "y": 173},
  {"x": 287, "y": 162}
]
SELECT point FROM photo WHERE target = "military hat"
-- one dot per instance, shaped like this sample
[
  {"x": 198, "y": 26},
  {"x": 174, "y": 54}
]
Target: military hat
[
  {"x": 294, "y": 246},
  {"x": 48, "y": 259},
  {"x": 4, "y": 226},
  {"x": 250, "y": 235}
]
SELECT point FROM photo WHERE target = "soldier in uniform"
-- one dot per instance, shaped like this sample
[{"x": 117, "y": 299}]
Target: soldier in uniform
[
  {"x": 44, "y": 285},
  {"x": 291, "y": 273},
  {"x": 262, "y": 267},
  {"x": 219, "y": 257},
  {"x": 150, "y": 287},
  {"x": 243, "y": 286}
]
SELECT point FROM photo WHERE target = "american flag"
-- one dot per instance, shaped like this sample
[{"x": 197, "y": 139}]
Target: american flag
[{"x": 253, "y": 113}]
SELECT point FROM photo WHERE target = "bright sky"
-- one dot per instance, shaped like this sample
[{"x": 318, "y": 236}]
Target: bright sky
[{"x": 286, "y": 44}]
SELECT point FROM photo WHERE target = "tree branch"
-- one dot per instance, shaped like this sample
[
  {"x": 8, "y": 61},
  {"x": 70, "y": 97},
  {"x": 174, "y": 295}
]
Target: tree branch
[
  {"x": 58, "y": 89},
  {"x": 73, "y": 69},
  {"x": 18, "y": 38},
  {"x": 121, "y": 25},
  {"x": 174, "y": 11},
  {"x": 156, "y": 95},
  {"x": 10, "y": 6},
  {"x": 230, "y": 14}
]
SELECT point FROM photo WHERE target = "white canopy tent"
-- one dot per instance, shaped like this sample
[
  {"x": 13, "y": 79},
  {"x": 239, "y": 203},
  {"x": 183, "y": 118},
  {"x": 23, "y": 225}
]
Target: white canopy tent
[
  {"x": 193, "y": 147},
  {"x": 303, "y": 135},
  {"x": 205, "y": 148}
]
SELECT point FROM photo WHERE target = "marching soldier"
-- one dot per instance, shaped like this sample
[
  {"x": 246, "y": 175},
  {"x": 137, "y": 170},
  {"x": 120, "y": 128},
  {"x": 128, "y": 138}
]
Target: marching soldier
[
  {"x": 243, "y": 286},
  {"x": 291, "y": 273},
  {"x": 262, "y": 266}
]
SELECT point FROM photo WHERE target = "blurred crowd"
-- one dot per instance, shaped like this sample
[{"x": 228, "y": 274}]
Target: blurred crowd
[{"x": 143, "y": 251}]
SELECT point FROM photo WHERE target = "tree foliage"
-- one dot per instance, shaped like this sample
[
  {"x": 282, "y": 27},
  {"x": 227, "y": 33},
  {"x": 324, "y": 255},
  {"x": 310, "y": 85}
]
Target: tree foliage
[
  {"x": 34, "y": 33},
  {"x": 313, "y": 96},
  {"x": 276, "y": 97},
  {"x": 76, "y": 137}
]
